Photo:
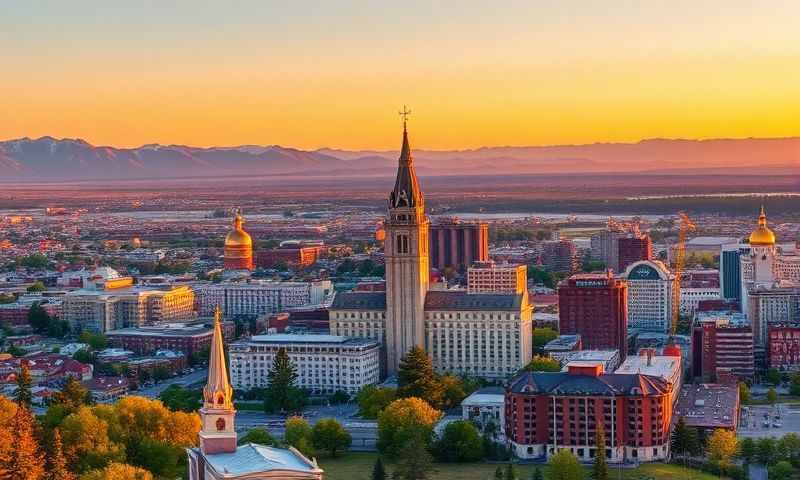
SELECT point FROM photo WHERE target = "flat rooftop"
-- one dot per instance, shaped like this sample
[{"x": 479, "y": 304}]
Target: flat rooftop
[
  {"x": 659, "y": 366},
  {"x": 169, "y": 330},
  {"x": 709, "y": 405},
  {"x": 318, "y": 339}
]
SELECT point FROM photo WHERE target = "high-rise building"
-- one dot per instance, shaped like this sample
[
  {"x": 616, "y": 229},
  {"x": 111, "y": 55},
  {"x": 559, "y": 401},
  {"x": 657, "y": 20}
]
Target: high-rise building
[
  {"x": 720, "y": 346},
  {"x": 560, "y": 256},
  {"x": 456, "y": 244},
  {"x": 650, "y": 286},
  {"x": 491, "y": 277},
  {"x": 218, "y": 456},
  {"x": 604, "y": 246},
  {"x": 238, "y": 254},
  {"x": 407, "y": 268},
  {"x": 772, "y": 306},
  {"x": 633, "y": 248},
  {"x": 730, "y": 270},
  {"x": 595, "y": 306}
]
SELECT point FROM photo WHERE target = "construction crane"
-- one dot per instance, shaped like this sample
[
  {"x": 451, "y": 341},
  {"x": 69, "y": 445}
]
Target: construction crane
[{"x": 686, "y": 226}]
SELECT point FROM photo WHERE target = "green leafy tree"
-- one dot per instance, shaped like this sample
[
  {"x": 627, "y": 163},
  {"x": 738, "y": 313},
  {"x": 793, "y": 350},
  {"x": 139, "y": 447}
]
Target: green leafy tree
[
  {"x": 36, "y": 287},
  {"x": 794, "y": 386},
  {"x": 600, "y": 466},
  {"x": 298, "y": 434},
  {"x": 329, "y": 435},
  {"x": 510, "y": 473},
  {"x": 773, "y": 376},
  {"x": 744, "y": 392},
  {"x": 406, "y": 420},
  {"x": 543, "y": 364},
  {"x": 498, "y": 473},
  {"x": 747, "y": 449},
  {"x": 537, "y": 474},
  {"x": 452, "y": 388},
  {"x": 541, "y": 336},
  {"x": 781, "y": 470},
  {"x": 373, "y": 399},
  {"x": 378, "y": 470},
  {"x": 83, "y": 355},
  {"x": 564, "y": 466},
  {"x": 772, "y": 396},
  {"x": 36, "y": 261},
  {"x": 416, "y": 378},
  {"x": 38, "y": 318},
  {"x": 414, "y": 462},
  {"x": 97, "y": 341},
  {"x": 766, "y": 450},
  {"x": 23, "y": 395},
  {"x": 460, "y": 442},
  {"x": 178, "y": 398},
  {"x": 282, "y": 394},
  {"x": 160, "y": 373},
  {"x": 259, "y": 436}
]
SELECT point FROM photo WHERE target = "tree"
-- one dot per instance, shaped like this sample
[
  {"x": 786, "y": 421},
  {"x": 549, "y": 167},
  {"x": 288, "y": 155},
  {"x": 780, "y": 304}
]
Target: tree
[
  {"x": 24, "y": 461},
  {"x": 744, "y": 392},
  {"x": 416, "y": 378},
  {"x": 282, "y": 394},
  {"x": 414, "y": 462},
  {"x": 72, "y": 396},
  {"x": 747, "y": 449},
  {"x": 564, "y": 466},
  {"x": 87, "y": 444},
  {"x": 23, "y": 395},
  {"x": 373, "y": 399},
  {"x": 722, "y": 447},
  {"x": 498, "y": 473},
  {"x": 510, "y": 473},
  {"x": 178, "y": 398},
  {"x": 97, "y": 341},
  {"x": 543, "y": 364},
  {"x": 781, "y": 470},
  {"x": 772, "y": 396},
  {"x": 378, "y": 470},
  {"x": 160, "y": 373},
  {"x": 118, "y": 471},
  {"x": 259, "y": 436},
  {"x": 84, "y": 356},
  {"x": 460, "y": 442},
  {"x": 766, "y": 450},
  {"x": 403, "y": 421},
  {"x": 298, "y": 434},
  {"x": 452, "y": 388},
  {"x": 36, "y": 260},
  {"x": 794, "y": 386},
  {"x": 36, "y": 287},
  {"x": 537, "y": 474},
  {"x": 56, "y": 462},
  {"x": 38, "y": 318},
  {"x": 541, "y": 336},
  {"x": 330, "y": 435},
  {"x": 600, "y": 466},
  {"x": 339, "y": 397},
  {"x": 773, "y": 376},
  {"x": 684, "y": 440}
]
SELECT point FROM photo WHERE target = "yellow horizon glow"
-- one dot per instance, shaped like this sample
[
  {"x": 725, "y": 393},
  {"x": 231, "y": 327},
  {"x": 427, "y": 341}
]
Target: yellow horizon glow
[{"x": 481, "y": 81}]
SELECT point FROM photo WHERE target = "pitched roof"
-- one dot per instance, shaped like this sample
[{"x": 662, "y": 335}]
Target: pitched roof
[
  {"x": 252, "y": 459},
  {"x": 461, "y": 300},
  {"x": 406, "y": 192},
  {"x": 563, "y": 383},
  {"x": 359, "y": 301}
]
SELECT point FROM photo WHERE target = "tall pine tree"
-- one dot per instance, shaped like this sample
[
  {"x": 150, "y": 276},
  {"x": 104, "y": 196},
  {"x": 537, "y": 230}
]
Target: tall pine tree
[
  {"x": 25, "y": 461},
  {"x": 600, "y": 467},
  {"x": 282, "y": 394},
  {"x": 378, "y": 471},
  {"x": 416, "y": 378},
  {"x": 57, "y": 463},
  {"x": 23, "y": 395}
]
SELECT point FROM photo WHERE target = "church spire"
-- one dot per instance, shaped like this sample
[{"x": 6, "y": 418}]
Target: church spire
[
  {"x": 407, "y": 192},
  {"x": 217, "y": 393}
]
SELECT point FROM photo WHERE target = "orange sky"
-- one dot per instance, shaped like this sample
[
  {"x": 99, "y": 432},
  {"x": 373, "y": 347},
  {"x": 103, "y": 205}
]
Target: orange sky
[{"x": 308, "y": 76}]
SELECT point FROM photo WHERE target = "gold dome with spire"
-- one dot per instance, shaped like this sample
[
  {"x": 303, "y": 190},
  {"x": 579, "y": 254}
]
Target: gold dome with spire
[
  {"x": 762, "y": 235},
  {"x": 238, "y": 246}
]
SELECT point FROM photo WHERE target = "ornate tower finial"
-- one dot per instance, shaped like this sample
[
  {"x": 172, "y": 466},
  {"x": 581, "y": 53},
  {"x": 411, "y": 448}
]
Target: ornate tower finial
[
  {"x": 405, "y": 112},
  {"x": 217, "y": 393}
]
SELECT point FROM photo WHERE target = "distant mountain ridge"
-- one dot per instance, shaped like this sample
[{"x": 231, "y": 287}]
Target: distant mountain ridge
[{"x": 51, "y": 159}]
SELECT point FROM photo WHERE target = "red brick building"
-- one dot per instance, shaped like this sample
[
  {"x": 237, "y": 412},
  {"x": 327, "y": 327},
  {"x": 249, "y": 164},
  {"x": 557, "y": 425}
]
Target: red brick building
[
  {"x": 457, "y": 245},
  {"x": 633, "y": 249},
  {"x": 784, "y": 348},
  {"x": 719, "y": 346},
  {"x": 595, "y": 306},
  {"x": 17, "y": 313},
  {"x": 146, "y": 340},
  {"x": 297, "y": 257},
  {"x": 547, "y": 412}
]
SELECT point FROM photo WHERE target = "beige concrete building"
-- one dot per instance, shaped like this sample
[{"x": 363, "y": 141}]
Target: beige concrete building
[{"x": 491, "y": 277}]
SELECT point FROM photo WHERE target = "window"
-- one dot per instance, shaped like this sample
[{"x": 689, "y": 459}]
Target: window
[
  {"x": 402, "y": 244},
  {"x": 220, "y": 424}
]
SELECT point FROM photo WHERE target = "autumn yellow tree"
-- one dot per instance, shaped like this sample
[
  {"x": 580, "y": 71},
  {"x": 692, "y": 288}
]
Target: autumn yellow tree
[
  {"x": 118, "y": 471},
  {"x": 8, "y": 410},
  {"x": 87, "y": 444},
  {"x": 405, "y": 420},
  {"x": 57, "y": 463},
  {"x": 23, "y": 460},
  {"x": 721, "y": 447}
]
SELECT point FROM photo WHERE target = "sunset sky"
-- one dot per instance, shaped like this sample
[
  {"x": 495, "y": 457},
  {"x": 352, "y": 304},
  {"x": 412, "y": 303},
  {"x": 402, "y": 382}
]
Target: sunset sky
[{"x": 334, "y": 73}]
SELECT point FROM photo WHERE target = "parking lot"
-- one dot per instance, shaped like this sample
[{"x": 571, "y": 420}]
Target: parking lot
[{"x": 769, "y": 420}]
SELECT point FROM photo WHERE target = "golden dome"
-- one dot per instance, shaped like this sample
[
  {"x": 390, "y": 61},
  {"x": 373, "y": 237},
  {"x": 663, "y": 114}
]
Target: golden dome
[
  {"x": 762, "y": 235},
  {"x": 238, "y": 237}
]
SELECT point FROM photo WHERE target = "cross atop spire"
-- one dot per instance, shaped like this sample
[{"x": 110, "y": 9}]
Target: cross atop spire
[{"x": 405, "y": 112}]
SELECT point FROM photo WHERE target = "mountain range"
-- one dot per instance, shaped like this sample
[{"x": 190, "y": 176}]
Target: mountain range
[{"x": 51, "y": 159}]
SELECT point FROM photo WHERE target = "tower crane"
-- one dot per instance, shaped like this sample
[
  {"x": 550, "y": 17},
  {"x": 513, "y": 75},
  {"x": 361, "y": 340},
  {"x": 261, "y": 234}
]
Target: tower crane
[{"x": 686, "y": 226}]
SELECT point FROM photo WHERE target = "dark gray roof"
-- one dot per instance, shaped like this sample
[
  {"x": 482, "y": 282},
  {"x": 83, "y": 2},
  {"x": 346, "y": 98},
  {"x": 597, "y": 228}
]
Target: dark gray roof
[
  {"x": 359, "y": 301},
  {"x": 461, "y": 300},
  {"x": 564, "y": 383}
]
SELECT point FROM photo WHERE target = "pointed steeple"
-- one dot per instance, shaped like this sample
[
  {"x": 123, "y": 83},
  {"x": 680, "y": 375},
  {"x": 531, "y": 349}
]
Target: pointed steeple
[
  {"x": 407, "y": 192},
  {"x": 217, "y": 393}
]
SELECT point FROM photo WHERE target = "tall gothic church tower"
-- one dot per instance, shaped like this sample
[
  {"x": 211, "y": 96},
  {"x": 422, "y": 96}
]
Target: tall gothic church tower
[
  {"x": 406, "y": 253},
  {"x": 217, "y": 434}
]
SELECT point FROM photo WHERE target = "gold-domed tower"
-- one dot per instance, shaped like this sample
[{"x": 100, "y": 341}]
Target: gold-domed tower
[
  {"x": 238, "y": 247},
  {"x": 762, "y": 235}
]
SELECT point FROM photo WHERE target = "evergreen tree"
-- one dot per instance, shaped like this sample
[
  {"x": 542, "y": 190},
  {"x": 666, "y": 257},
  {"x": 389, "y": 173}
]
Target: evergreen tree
[
  {"x": 57, "y": 462},
  {"x": 38, "y": 318},
  {"x": 282, "y": 394},
  {"x": 25, "y": 461},
  {"x": 600, "y": 467},
  {"x": 685, "y": 441},
  {"x": 414, "y": 462},
  {"x": 416, "y": 378},
  {"x": 537, "y": 474},
  {"x": 511, "y": 473},
  {"x": 378, "y": 471},
  {"x": 498, "y": 473},
  {"x": 23, "y": 395},
  {"x": 72, "y": 396}
]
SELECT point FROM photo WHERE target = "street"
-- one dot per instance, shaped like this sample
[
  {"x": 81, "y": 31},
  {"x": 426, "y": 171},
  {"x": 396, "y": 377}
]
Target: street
[
  {"x": 769, "y": 420},
  {"x": 197, "y": 376}
]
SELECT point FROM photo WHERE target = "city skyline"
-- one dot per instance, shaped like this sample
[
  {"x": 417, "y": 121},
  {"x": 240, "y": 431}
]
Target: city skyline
[{"x": 334, "y": 76}]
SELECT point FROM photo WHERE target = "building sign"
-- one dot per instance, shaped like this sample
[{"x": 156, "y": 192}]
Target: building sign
[
  {"x": 591, "y": 283},
  {"x": 644, "y": 272}
]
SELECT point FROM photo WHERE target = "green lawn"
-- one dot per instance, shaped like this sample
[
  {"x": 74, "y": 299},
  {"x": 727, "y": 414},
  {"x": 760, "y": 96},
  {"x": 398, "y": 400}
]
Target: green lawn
[{"x": 358, "y": 466}]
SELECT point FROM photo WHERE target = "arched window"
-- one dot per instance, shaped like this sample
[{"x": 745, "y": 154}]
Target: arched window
[
  {"x": 220, "y": 399},
  {"x": 220, "y": 424}
]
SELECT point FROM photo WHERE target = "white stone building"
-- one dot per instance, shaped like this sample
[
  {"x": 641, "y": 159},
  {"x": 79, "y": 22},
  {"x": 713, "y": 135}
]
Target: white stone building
[
  {"x": 650, "y": 288},
  {"x": 258, "y": 297}
]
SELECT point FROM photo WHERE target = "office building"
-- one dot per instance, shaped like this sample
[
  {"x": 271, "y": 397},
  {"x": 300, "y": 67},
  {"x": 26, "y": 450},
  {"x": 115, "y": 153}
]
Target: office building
[
  {"x": 325, "y": 363},
  {"x": 595, "y": 306},
  {"x": 730, "y": 271},
  {"x": 456, "y": 244},
  {"x": 709, "y": 406},
  {"x": 632, "y": 249},
  {"x": 720, "y": 346},
  {"x": 772, "y": 306},
  {"x": 784, "y": 347},
  {"x": 186, "y": 338},
  {"x": 650, "y": 289},
  {"x": 491, "y": 277},
  {"x": 560, "y": 256},
  {"x": 260, "y": 297}
]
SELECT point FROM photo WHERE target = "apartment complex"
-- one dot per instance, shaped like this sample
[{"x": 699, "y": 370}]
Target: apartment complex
[
  {"x": 491, "y": 277},
  {"x": 650, "y": 289},
  {"x": 259, "y": 297}
]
